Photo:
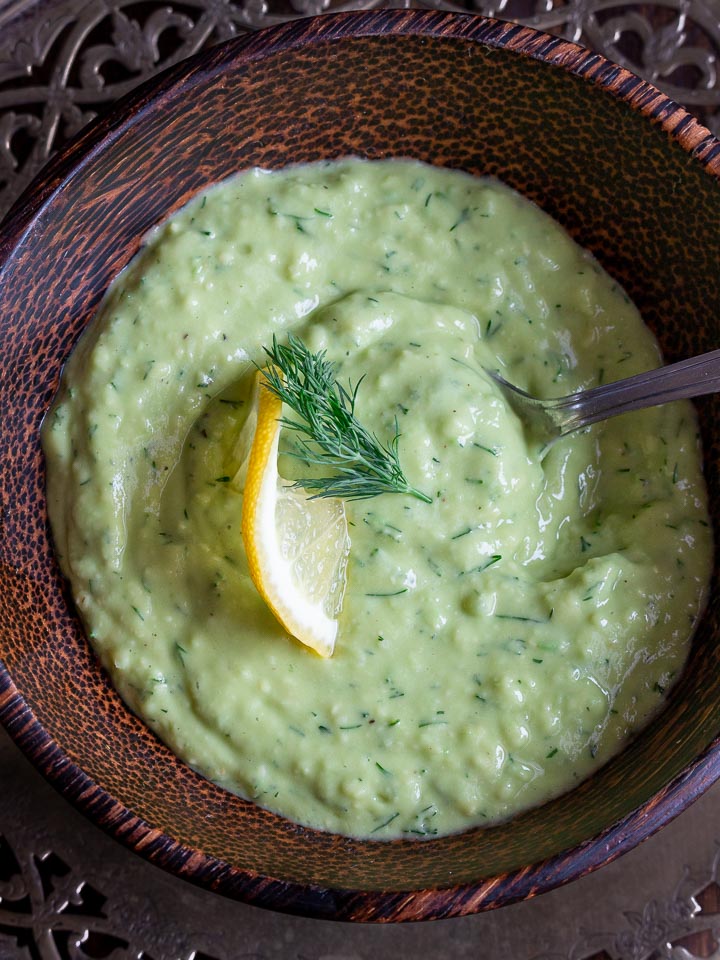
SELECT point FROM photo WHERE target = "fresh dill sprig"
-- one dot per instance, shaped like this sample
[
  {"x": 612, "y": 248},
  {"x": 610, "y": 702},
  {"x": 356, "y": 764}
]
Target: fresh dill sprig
[{"x": 333, "y": 438}]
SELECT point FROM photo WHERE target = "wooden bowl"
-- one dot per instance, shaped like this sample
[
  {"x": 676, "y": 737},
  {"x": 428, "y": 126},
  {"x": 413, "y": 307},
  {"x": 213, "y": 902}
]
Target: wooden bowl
[{"x": 632, "y": 177}]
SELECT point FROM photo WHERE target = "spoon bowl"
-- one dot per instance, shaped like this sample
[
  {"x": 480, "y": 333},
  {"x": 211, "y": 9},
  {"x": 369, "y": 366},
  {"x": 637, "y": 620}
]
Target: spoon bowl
[{"x": 548, "y": 420}]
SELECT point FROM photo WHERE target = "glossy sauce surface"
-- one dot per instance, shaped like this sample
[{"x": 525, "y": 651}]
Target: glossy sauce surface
[{"x": 496, "y": 645}]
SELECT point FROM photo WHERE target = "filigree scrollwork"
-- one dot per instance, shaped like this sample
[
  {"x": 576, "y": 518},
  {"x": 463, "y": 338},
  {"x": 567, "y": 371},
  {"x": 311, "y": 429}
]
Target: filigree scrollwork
[
  {"x": 659, "y": 931},
  {"x": 135, "y": 47},
  {"x": 55, "y": 74},
  {"x": 11, "y": 124},
  {"x": 47, "y": 911},
  {"x": 677, "y": 51}
]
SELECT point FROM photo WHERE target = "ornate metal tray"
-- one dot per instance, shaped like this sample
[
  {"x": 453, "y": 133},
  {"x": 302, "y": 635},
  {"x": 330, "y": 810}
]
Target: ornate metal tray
[
  {"x": 62, "y": 61},
  {"x": 67, "y": 892}
]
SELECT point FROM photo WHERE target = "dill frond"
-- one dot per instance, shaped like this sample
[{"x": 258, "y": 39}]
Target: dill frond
[{"x": 330, "y": 435}]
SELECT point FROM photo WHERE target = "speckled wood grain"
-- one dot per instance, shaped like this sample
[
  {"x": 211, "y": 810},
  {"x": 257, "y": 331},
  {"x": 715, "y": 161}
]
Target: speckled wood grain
[{"x": 629, "y": 173}]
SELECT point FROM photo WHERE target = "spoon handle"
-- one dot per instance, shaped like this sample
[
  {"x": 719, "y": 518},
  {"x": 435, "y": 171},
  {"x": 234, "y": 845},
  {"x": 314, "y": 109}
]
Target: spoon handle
[{"x": 678, "y": 381}]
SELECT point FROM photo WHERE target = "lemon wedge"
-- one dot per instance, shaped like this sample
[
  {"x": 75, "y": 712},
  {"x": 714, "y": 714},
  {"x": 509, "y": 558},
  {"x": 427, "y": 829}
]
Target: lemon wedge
[{"x": 297, "y": 548}]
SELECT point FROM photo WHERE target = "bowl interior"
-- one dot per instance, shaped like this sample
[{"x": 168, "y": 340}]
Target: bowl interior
[{"x": 449, "y": 91}]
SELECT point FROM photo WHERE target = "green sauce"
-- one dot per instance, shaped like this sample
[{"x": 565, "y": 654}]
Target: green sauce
[{"x": 496, "y": 645}]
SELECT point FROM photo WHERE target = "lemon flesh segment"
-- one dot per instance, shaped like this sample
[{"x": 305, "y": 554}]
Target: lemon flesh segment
[{"x": 297, "y": 548}]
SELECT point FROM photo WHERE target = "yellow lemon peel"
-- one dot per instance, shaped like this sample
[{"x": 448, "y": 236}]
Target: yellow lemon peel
[{"x": 297, "y": 548}]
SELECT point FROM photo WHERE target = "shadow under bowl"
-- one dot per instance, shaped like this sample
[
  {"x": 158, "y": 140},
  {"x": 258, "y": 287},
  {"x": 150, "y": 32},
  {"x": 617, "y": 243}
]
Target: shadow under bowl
[{"x": 631, "y": 176}]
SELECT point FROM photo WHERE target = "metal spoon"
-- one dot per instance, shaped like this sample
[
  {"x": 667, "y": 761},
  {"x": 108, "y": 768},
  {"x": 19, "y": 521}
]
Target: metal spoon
[{"x": 548, "y": 420}]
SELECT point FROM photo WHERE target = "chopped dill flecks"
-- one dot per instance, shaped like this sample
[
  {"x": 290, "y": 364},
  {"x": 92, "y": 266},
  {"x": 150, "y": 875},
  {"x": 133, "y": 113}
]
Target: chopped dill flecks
[
  {"x": 388, "y": 821},
  {"x": 435, "y": 567},
  {"x": 493, "y": 451},
  {"x": 463, "y": 218},
  {"x": 462, "y": 533},
  {"x": 483, "y": 566},
  {"x": 520, "y": 619}
]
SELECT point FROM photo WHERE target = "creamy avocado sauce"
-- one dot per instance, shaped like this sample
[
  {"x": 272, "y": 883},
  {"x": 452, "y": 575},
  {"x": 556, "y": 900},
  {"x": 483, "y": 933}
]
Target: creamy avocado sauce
[{"x": 496, "y": 645}]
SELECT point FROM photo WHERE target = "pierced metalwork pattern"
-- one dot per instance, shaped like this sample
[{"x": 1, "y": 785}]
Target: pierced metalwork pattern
[
  {"x": 61, "y": 63},
  {"x": 69, "y": 892}
]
